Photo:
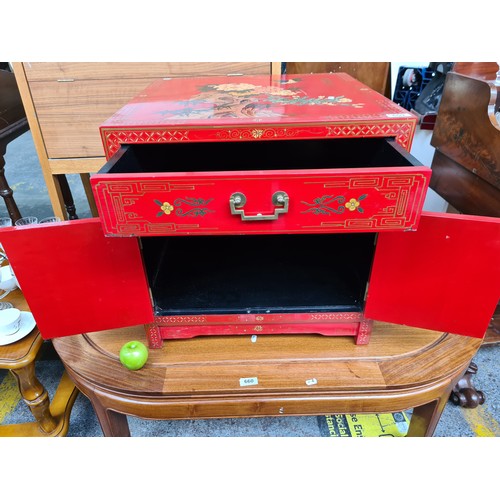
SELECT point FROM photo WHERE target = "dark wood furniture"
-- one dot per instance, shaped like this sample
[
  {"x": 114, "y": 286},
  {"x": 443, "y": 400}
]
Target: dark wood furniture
[
  {"x": 51, "y": 418},
  {"x": 200, "y": 378},
  {"x": 13, "y": 123},
  {"x": 466, "y": 164}
]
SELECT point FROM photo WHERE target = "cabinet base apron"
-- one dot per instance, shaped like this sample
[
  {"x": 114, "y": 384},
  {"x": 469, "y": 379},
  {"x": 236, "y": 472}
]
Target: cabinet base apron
[{"x": 328, "y": 324}]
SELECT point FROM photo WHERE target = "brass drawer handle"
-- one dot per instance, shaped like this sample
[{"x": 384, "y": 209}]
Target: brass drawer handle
[{"x": 280, "y": 201}]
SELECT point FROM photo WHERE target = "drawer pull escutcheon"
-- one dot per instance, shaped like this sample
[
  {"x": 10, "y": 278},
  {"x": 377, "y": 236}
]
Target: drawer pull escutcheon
[{"x": 280, "y": 201}]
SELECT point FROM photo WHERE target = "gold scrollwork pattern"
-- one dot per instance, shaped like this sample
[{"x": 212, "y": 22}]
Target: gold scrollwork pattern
[{"x": 248, "y": 133}]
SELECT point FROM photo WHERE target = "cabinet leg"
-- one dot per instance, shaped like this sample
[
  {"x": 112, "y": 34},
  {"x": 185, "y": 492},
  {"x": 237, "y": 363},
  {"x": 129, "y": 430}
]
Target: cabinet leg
[
  {"x": 154, "y": 337},
  {"x": 364, "y": 331}
]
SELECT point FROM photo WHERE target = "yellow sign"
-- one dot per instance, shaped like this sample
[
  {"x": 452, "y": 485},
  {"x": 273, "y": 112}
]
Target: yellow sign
[{"x": 371, "y": 425}]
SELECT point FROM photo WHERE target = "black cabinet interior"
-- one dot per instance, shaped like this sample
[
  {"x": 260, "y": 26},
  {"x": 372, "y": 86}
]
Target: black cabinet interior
[{"x": 258, "y": 274}]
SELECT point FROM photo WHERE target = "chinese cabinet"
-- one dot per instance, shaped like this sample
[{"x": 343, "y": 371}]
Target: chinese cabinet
[{"x": 259, "y": 205}]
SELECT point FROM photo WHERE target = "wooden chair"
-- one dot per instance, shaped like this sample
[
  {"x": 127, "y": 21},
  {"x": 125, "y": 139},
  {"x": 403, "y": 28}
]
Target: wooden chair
[{"x": 13, "y": 123}]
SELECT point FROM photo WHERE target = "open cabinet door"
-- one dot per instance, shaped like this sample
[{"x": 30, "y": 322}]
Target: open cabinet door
[
  {"x": 76, "y": 280},
  {"x": 445, "y": 276}
]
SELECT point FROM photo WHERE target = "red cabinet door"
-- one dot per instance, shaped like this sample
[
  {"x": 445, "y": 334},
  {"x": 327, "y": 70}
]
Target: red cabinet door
[
  {"x": 76, "y": 280},
  {"x": 445, "y": 276}
]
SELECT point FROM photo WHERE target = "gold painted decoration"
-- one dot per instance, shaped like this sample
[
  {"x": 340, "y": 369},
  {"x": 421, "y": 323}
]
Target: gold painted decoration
[
  {"x": 192, "y": 207},
  {"x": 165, "y": 208},
  {"x": 354, "y": 204},
  {"x": 330, "y": 204}
]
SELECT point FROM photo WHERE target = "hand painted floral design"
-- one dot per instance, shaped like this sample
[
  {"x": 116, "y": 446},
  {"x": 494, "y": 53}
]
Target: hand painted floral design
[
  {"x": 353, "y": 204},
  {"x": 195, "y": 207},
  {"x": 234, "y": 87},
  {"x": 233, "y": 100},
  {"x": 165, "y": 208}
]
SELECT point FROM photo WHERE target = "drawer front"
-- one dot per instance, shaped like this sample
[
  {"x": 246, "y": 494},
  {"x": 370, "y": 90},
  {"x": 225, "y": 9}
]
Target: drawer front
[{"x": 274, "y": 202}]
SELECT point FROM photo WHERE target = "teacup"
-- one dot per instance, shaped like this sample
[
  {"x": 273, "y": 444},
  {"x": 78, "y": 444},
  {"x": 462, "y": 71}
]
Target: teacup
[
  {"x": 8, "y": 282},
  {"x": 10, "y": 321}
]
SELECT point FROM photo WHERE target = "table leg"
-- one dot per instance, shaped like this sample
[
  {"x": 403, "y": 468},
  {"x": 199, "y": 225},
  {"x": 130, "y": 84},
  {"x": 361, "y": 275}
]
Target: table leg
[
  {"x": 90, "y": 194},
  {"x": 36, "y": 397},
  {"x": 113, "y": 424},
  {"x": 426, "y": 417},
  {"x": 67, "y": 197}
]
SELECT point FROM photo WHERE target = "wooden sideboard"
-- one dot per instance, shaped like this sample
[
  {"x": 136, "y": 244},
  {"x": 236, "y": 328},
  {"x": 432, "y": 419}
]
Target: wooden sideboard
[{"x": 65, "y": 103}]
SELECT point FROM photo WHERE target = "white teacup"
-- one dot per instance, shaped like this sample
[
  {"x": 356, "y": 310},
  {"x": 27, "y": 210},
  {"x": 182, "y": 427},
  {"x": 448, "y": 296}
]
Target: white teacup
[
  {"x": 10, "y": 321},
  {"x": 8, "y": 282}
]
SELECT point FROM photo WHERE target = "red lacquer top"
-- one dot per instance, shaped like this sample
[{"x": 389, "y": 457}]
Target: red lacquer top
[{"x": 266, "y": 107}]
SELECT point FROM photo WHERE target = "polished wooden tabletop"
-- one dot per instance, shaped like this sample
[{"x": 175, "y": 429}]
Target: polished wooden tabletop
[
  {"x": 396, "y": 356},
  {"x": 400, "y": 368}
]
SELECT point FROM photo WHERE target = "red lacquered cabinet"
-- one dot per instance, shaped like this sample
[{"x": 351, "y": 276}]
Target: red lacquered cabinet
[{"x": 259, "y": 205}]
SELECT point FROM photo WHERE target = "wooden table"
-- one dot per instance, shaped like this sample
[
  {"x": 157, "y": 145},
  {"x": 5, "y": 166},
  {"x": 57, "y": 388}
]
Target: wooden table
[
  {"x": 401, "y": 368},
  {"x": 51, "y": 419}
]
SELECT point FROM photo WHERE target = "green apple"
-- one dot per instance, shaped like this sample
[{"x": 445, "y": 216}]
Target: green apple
[{"x": 133, "y": 355}]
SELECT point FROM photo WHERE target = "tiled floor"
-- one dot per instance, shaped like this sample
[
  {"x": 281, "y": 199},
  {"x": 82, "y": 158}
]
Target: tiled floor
[{"x": 24, "y": 175}]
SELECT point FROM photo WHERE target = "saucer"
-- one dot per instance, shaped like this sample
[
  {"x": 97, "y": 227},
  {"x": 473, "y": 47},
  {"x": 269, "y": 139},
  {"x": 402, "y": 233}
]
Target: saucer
[{"x": 27, "y": 324}]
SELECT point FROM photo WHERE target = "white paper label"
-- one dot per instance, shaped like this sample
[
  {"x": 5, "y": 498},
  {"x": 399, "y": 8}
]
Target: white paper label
[
  {"x": 254, "y": 338},
  {"x": 311, "y": 381},
  {"x": 397, "y": 115},
  {"x": 248, "y": 381}
]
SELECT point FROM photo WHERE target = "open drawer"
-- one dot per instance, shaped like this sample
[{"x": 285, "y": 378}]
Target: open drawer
[{"x": 260, "y": 187}]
